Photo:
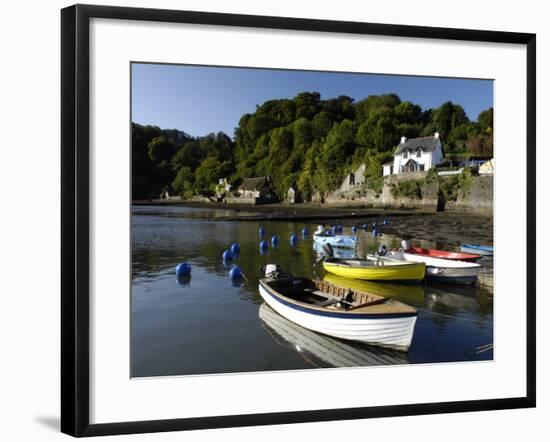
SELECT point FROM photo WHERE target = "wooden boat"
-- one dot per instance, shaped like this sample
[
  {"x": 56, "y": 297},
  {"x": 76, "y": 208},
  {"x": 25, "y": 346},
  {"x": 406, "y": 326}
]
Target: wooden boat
[
  {"x": 443, "y": 254},
  {"x": 322, "y": 350},
  {"x": 441, "y": 270},
  {"x": 374, "y": 268},
  {"x": 340, "y": 312},
  {"x": 340, "y": 241},
  {"x": 477, "y": 248}
]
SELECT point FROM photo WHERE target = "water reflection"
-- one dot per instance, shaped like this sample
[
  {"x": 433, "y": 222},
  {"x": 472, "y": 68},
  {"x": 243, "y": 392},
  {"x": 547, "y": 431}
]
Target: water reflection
[
  {"x": 323, "y": 351},
  {"x": 209, "y": 323}
]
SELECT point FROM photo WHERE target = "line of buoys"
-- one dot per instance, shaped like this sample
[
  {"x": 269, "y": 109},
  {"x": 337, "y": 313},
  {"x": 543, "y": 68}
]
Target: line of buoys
[{"x": 183, "y": 269}]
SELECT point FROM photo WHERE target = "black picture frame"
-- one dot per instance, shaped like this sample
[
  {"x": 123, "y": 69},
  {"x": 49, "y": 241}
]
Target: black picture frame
[{"x": 75, "y": 211}]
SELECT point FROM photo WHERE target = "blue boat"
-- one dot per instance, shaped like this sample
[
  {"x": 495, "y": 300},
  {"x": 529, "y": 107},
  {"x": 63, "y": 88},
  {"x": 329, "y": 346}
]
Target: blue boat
[
  {"x": 477, "y": 248},
  {"x": 340, "y": 241}
]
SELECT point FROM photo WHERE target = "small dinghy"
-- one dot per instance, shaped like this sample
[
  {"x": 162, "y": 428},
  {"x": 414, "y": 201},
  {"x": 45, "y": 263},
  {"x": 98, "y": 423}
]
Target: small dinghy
[
  {"x": 443, "y": 254},
  {"x": 339, "y": 312},
  {"x": 340, "y": 241},
  {"x": 376, "y": 268},
  {"x": 441, "y": 270},
  {"x": 477, "y": 248}
]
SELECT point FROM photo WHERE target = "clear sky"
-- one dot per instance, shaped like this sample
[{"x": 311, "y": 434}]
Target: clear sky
[{"x": 200, "y": 100}]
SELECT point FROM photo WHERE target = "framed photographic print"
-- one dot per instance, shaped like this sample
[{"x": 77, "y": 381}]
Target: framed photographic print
[{"x": 264, "y": 216}]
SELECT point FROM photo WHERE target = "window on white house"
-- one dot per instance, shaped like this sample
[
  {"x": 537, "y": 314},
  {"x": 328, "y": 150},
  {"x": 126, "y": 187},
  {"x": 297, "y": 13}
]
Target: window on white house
[
  {"x": 405, "y": 154},
  {"x": 418, "y": 153}
]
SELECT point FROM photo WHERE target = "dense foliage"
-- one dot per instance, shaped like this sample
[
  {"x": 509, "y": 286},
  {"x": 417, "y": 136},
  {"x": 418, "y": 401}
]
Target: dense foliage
[{"x": 304, "y": 141}]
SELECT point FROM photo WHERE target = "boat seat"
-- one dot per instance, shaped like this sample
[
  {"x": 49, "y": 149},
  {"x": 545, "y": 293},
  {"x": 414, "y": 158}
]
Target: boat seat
[{"x": 368, "y": 303}]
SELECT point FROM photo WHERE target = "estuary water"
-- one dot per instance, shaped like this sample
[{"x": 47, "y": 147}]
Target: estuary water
[{"x": 208, "y": 324}]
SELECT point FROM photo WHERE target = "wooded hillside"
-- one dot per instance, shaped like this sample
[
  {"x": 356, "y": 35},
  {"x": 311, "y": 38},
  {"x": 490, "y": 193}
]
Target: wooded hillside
[{"x": 306, "y": 141}]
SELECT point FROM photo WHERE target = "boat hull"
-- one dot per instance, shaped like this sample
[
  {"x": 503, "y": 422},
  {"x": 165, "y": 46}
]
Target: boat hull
[
  {"x": 443, "y": 254},
  {"x": 443, "y": 270},
  {"x": 407, "y": 272},
  {"x": 480, "y": 250},
  {"x": 451, "y": 276},
  {"x": 392, "y": 331},
  {"x": 342, "y": 241},
  {"x": 331, "y": 351}
]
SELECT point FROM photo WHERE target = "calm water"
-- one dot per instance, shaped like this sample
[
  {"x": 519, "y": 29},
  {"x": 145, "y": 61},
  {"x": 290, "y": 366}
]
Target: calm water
[{"x": 207, "y": 324}]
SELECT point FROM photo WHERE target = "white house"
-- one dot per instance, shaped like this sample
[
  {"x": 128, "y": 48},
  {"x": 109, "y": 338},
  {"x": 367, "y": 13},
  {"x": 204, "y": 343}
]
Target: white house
[{"x": 416, "y": 154}]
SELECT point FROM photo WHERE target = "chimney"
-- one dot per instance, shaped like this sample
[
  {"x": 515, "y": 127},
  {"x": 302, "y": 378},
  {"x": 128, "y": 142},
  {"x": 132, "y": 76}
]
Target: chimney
[
  {"x": 436, "y": 135},
  {"x": 403, "y": 139}
]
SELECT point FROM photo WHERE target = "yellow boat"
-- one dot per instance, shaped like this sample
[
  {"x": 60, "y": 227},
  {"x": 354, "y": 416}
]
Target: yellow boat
[{"x": 376, "y": 269}]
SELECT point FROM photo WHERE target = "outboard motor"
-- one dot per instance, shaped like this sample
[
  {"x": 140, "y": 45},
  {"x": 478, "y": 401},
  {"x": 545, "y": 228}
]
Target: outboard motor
[
  {"x": 406, "y": 244},
  {"x": 382, "y": 250},
  {"x": 328, "y": 250}
]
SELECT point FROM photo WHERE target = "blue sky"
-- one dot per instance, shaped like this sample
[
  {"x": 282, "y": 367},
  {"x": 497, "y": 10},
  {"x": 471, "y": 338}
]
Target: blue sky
[{"x": 200, "y": 100}]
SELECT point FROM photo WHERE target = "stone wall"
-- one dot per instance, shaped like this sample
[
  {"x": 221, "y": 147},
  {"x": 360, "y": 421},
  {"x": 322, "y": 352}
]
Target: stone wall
[{"x": 478, "y": 198}]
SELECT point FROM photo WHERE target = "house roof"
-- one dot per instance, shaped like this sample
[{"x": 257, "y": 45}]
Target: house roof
[
  {"x": 427, "y": 144},
  {"x": 254, "y": 183}
]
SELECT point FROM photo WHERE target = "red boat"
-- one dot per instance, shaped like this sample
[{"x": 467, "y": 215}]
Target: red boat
[{"x": 455, "y": 256}]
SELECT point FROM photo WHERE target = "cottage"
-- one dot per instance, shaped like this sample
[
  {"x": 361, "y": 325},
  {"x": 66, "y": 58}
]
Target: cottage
[
  {"x": 257, "y": 190},
  {"x": 415, "y": 155}
]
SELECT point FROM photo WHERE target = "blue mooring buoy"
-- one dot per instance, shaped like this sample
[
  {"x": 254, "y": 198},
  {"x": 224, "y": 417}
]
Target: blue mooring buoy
[
  {"x": 305, "y": 232},
  {"x": 227, "y": 255},
  {"x": 373, "y": 225},
  {"x": 385, "y": 222},
  {"x": 354, "y": 228},
  {"x": 235, "y": 272},
  {"x": 374, "y": 233},
  {"x": 365, "y": 226},
  {"x": 275, "y": 240},
  {"x": 261, "y": 232},
  {"x": 235, "y": 248},
  {"x": 264, "y": 244},
  {"x": 183, "y": 269},
  {"x": 293, "y": 238}
]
